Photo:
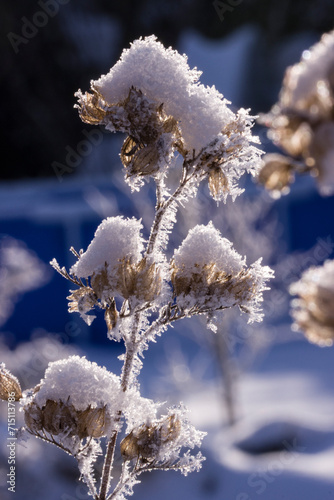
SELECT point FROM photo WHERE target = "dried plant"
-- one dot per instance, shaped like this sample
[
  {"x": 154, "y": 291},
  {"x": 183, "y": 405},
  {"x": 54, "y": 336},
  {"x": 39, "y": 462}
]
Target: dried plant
[
  {"x": 312, "y": 310},
  {"x": 302, "y": 123},
  {"x": 139, "y": 287}
]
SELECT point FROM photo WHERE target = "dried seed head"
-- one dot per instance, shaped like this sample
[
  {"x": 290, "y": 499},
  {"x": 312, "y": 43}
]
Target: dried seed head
[
  {"x": 111, "y": 316},
  {"x": 277, "y": 173},
  {"x": 9, "y": 385},
  {"x": 92, "y": 107},
  {"x": 218, "y": 183},
  {"x": 129, "y": 447},
  {"x": 58, "y": 419},
  {"x": 138, "y": 159},
  {"x": 209, "y": 282},
  {"x": 141, "y": 280},
  {"x": 100, "y": 282},
  {"x": 291, "y": 133},
  {"x": 92, "y": 422},
  {"x": 313, "y": 309},
  {"x": 81, "y": 300},
  {"x": 146, "y": 441}
]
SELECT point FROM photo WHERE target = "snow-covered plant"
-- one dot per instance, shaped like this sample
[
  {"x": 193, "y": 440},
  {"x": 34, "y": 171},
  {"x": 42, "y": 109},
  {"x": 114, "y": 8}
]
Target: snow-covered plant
[
  {"x": 302, "y": 122},
  {"x": 312, "y": 310},
  {"x": 153, "y": 97}
]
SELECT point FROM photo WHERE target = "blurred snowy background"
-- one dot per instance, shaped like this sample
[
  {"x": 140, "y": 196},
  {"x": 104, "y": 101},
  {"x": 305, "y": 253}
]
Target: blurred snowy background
[{"x": 277, "y": 387}]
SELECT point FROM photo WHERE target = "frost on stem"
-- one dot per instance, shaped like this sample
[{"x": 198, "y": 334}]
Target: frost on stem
[
  {"x": 153, "y": 96},
  {"x": 302, "y": 122},
  {"x": 209, "y": 275},
  {"x": 312, "y": 310}
]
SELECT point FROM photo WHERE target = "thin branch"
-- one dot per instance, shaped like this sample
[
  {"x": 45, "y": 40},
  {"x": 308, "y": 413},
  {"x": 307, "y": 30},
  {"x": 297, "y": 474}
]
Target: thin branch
[
  {"x": 126, "y": 378},
  {"x": 162, "y": 207},
  {"x": 105, "y": 481}
]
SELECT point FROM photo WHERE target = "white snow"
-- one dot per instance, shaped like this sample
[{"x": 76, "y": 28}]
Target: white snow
[
  {"x": 115, "y": 238},
  {"x": 81, "y": 382},
  {"x": 164, "y": 76},
  {"x": 307, "y": 77},
  {"x": 204, "y": 245}
]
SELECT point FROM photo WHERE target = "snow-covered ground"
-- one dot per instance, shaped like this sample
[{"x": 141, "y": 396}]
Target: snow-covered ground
[{"x": 281, "y": 447}]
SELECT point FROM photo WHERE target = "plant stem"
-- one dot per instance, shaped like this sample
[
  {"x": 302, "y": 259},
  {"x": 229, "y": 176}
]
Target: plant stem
[
  {"x": 160, "y": 212},
  {"x": 105, "y": 482},
  {"x": 125, "y": 381}
]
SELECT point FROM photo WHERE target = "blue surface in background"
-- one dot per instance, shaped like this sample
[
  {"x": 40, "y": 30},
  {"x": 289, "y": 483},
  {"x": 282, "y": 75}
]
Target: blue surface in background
[{"x": 54, "y": 217}]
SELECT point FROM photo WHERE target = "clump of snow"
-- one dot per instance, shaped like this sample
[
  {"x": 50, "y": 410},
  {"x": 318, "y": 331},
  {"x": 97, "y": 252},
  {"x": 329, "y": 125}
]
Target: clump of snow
[
  {"x": 80, "y": 382},
  {"x": 115, "y": 238},
  {"x": 309, "y": 77},
  {"x": 204, "y": 244},
  {"x": 164, "y": 76}
]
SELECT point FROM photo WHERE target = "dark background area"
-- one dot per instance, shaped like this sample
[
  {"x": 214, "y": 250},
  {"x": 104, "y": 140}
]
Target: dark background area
[{"x": 42, "y": 66}]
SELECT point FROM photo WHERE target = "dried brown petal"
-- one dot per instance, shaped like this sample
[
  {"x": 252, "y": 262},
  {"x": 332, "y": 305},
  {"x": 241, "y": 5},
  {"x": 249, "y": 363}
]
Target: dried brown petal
[
  {"x": 111, "y": 316},
  {"x": 141, "y": 280},
  {"x": 100, "y": 282},
  {"x": 58, "y": 418},
  {"x": 33, "y": 418},
  {"x": 81, "y": 300},
  {"x": 276, "y": 173},
  {"x": 146, "y": 440},
  {"x": 91, "y": 109},
  {"x": 92, "y": 422},
  {"x": 140, "y": 160},
  {"x": 9, "y": 385},
  {"x": 218, "y": 183},
  {"x": 129, "y": 447}
]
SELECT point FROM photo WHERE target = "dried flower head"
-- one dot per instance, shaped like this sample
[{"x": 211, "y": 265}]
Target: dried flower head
[
  {"x": 141, "y": 280},
  {"x": 75, "y": 400},
  {"x": 276, "y": 174},
  {"x": 9, "y": 385},
  {"x": 158, "y": 442},
  {"x": 146, "y": 441},
  {"x": 161, "y": 115},
  {"x": 312, "y": 310},
  {"x": 306, "y": 86},
  {"x": 114, "y": 263},
  {"x": 59, "y": 418},
  {"x": 302, "y": 122},
  {"x": 208, "y": 274},
  {"x": 82, "y": 301}
]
